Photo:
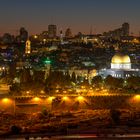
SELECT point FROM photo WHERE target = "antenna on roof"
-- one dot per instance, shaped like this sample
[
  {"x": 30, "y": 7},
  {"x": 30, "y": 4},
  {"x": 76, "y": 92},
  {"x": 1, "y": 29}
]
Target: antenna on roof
[
  {"x": 90, "y": 30},
  {"x": 51, "y": 20}
]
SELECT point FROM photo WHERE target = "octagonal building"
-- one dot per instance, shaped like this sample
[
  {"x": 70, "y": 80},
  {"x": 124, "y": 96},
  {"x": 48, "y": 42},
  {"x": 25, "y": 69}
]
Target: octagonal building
[{"x": 120, "y": 67}]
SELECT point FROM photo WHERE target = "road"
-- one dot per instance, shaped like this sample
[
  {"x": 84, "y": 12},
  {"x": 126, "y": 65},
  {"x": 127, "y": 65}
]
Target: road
[{"x": 76, "y": 137}]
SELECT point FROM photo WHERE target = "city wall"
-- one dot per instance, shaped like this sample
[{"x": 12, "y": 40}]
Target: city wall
[{"x": 36, "y": 104}]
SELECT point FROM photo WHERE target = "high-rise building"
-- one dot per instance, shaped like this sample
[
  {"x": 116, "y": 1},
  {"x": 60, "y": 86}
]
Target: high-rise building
[
  {"x": 61, "y": 36},
  {"x": 125, "y": 29},
  {"x": 52, "y": 30},
  {"x": 7, "y": 38},
  {"x": 23, "y": 34},
  {"x": 119, "y": 32},
  {"x": 68, "y": 33}
]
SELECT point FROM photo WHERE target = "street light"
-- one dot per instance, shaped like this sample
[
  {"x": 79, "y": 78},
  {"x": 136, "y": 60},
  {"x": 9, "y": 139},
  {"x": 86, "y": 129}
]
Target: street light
[
  {"x": 50, "y": 99},
  {"x": 36, "y": 99},
  {"x": 137, "y": 97},
  {"x": 5, "y": 100},
  {"x": 42, "y": 92},
  {"x": 35, "y": 36},
  {"x": 65, "y": 98},
  {"x": 27, "y": 92},
  {"x": 80, "y": 98}
]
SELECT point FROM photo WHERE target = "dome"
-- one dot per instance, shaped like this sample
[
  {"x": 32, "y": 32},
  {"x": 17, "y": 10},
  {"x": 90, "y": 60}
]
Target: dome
[{"x": 120, "y": 59}]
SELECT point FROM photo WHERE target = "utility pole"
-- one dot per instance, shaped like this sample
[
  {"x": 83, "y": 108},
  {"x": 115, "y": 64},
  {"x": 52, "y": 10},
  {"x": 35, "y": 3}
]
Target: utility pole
[{"x": 90, "y": 30}]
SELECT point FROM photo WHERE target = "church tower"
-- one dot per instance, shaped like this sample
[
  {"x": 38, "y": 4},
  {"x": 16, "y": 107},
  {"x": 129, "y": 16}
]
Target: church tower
[{"x": 28, "y": 47}]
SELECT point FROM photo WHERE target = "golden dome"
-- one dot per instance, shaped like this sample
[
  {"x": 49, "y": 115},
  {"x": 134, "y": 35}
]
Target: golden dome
[{"x": 120, "y": 59}]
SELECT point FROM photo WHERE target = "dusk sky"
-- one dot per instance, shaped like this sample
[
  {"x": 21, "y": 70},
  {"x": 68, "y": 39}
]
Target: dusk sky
[{"x": 79, "y": 15}]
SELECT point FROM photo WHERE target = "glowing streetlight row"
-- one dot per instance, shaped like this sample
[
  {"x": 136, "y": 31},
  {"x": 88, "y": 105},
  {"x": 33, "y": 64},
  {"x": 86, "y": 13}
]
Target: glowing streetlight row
[
  {"x": 38, "y": 99},
  {"x": 64, "y": 98}
]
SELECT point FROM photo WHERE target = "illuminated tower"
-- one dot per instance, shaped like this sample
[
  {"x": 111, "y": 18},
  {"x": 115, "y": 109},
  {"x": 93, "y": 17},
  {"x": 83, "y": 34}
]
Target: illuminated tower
[
  {"x": 61, "y": 37},
  {"x": 47, "y": 63},
  {"x": 28, "y": 47}
]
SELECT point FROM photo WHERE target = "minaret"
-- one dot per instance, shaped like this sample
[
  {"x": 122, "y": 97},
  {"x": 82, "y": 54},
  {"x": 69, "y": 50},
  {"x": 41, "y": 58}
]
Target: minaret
[
  {"x": 28, "y": 47},
  {"x": 61, "y": 36},
  {"x": 47, "y": 67}
]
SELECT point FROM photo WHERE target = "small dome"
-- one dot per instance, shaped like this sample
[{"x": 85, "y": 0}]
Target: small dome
[{"x": 120, "y": 59}]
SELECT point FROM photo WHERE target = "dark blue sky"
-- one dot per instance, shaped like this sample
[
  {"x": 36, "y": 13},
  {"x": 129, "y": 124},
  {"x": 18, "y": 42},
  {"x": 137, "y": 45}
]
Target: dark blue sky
[{"x": 79, "y": 15}]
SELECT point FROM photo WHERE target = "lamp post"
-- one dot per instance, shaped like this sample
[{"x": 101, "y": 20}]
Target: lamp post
[{"x": 14, "y": 102}]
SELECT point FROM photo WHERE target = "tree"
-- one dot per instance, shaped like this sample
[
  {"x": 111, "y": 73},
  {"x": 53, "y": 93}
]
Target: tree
[
  {"x": 89, "y": 45},
  {"x": 25, "y": 76},
  {"x": 15, "y": 88},
  {"x": 39, "y": 76},
  {"x": 113, "y": 82},
  {"x": 73, "y": 77},
  {"x": 16, "y": 129},
  {"x": 115, "y": 116},
  {"x": 67, "y": 79},
  {"x": 85, "y": 83},
  {"x": 108, "y": 80},
  {"x": 97, "y": 81},
  {"x": 133, "y": 82}
]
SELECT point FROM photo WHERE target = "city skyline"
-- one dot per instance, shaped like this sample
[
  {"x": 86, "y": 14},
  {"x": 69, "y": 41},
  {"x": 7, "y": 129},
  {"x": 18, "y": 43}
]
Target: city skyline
[{"x": 79, "y": 15}]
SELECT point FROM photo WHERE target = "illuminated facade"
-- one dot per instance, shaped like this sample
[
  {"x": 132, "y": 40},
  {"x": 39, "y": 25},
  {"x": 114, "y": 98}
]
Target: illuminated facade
[
  {"x": 28, "y": 47},
  {"x": 120, "y": 67},
  {"x": 120, "y": 61}
]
